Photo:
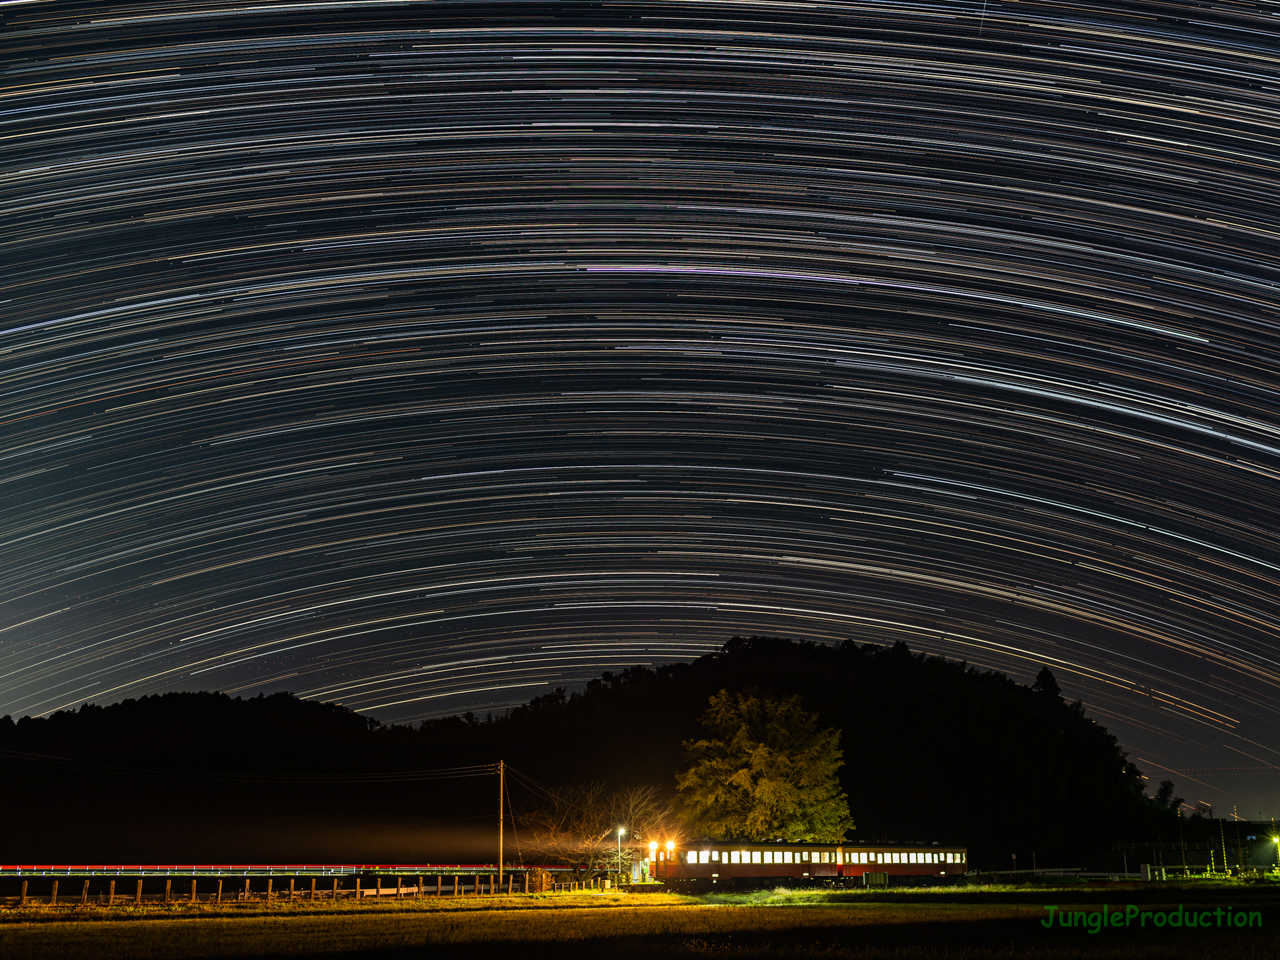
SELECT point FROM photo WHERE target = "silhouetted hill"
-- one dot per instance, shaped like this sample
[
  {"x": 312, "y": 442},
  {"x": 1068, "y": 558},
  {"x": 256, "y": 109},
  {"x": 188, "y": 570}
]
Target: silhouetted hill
[{"x": 934, "y": 750}]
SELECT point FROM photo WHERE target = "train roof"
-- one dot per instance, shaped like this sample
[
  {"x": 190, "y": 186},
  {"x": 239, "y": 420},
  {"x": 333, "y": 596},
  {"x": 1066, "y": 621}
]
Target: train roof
[{"x": 878, "y": 844}]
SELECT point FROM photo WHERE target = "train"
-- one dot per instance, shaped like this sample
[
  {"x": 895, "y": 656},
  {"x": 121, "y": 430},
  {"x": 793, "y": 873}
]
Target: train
[{"x": 735, "y": 863}]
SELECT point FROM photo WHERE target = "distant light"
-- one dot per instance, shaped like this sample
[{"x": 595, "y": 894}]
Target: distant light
[{"x": 671, "y": 845}]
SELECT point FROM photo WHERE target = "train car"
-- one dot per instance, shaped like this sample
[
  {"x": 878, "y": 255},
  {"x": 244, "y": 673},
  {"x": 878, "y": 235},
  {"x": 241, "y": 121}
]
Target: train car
[{"x": 737, "y": 863}]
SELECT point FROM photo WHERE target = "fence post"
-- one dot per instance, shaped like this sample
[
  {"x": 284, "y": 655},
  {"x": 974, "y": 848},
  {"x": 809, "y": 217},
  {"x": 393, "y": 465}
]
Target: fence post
[
  {"x": 168, "y": 888},
  {"x": 399, "y": 887},
  {"x": 270, "y": 881},
  {"x": 193, "y": 889},
  {"x": 455, "y": 884},
  {"x": 357, "y": 888},
  {"x": 111, "y": 894},
  {"x": 53, "y": 897},
  {"x": 418, "y": 894},
  {"x": 84, "y": 893},
  {"x": 439, "y": 885},
  {"x": 511, "y": 879},
  {"x": 378, "y": 894},
  {"x": 219, "y": 890},
  {"x": 137, "y": 896},
  {"x": 335, "y": 889},
  {"x": 313, "y": 888},
  {"x": 291, "y": 879},
  {"x": 23, "y": 901},
  {"x": 246, "y": 889}
]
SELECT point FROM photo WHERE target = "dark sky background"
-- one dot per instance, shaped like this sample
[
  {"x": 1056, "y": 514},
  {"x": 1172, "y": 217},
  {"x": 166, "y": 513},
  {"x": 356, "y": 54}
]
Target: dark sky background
[{"x": 423, "y": 358}]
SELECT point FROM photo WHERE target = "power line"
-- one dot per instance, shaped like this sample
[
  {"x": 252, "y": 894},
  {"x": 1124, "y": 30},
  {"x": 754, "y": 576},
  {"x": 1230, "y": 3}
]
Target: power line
[{"x": 402, "y": 776}]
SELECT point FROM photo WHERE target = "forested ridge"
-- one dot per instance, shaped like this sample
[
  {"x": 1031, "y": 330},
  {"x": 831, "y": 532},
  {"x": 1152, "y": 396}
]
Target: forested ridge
[{"x": 933, "y": 749}]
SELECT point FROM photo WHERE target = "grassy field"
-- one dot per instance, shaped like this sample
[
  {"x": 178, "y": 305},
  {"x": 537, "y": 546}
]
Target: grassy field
[{"x": 947, "y": 923}]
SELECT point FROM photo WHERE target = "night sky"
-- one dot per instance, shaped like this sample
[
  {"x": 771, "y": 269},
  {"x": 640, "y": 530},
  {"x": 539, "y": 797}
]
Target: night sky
[{"x": 425, "y": 357}]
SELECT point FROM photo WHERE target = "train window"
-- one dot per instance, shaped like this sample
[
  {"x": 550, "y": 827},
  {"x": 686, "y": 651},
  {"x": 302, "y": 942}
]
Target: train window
[
  {"x": 768, "y": 856},
  {"x": 864, "y": 858},
  {"x": 804, "y": 856},
  {"x": 755, "y": 856},
  {"x": 735, "y": 857},
  {"x": 715, "y": 856},
  {"x": 704, "y": 856},
  {"x": 786, "y": 856}
]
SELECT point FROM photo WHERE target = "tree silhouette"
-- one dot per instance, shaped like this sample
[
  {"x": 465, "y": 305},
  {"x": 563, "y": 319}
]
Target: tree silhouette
[
  {"x": 768, "y": 772},
  {"x": 1165, "y": 797},
  {"x": 1046, "y": 684}
]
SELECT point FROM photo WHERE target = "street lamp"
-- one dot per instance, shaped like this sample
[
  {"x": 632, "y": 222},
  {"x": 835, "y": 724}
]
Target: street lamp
[{"x": 621, "y": 831}]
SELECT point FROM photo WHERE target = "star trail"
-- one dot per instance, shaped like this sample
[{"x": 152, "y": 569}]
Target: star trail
[{"x": 425, "y": 357}]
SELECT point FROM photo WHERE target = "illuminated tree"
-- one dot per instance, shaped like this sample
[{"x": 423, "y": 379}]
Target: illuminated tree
[
  {"x": 577, "y": 826},
  {"x": 768, "y": 772}
]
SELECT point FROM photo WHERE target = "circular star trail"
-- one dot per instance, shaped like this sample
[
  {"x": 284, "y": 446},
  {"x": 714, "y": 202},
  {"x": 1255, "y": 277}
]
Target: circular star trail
[{"x": 423, "y": 357}]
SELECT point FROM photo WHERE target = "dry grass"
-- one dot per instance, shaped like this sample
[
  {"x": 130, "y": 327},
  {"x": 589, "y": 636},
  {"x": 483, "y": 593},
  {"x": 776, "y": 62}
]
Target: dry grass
[{"x": 617, "y": 925}]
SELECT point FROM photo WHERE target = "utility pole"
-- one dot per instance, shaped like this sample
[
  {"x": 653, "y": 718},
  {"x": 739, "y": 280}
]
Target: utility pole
[{"x": 500, "y": 818}]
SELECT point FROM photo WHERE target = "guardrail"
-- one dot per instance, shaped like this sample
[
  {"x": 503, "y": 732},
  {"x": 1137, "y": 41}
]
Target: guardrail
[
  {"x": 38, "y": 883},
  {"x": 262, "y": 870}
]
